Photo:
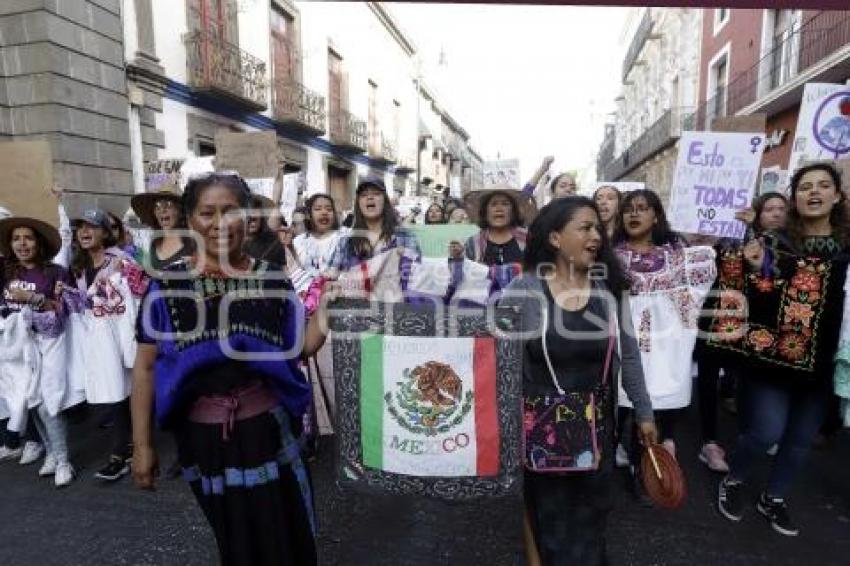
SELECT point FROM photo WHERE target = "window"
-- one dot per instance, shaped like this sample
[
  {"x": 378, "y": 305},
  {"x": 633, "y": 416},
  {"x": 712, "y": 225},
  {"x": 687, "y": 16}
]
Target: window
[
  {"x": 285, "y": 59},
  {"x": 784, "y": 43},
  {"x": 374, "y": 132},
  {"x": 718, "y": 81},
  {"x": 336, "y": 101},
  {"x": 213, "y": 16},
  {"x": 721, "y": 17}
]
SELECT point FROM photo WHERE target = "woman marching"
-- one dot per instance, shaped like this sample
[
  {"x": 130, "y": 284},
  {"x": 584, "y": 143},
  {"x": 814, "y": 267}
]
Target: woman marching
[
  {"x": 29, "y": 281},
  {"x": 102, "y": 347},
  {"x": 161, "y": 210},
  {"x": 794, "y": 288},
  {"x": 230, "y": 390},
  {"x": 607, "y": 199},
  {"x": 574, "y": 354},
  {"x": 500, "y": 213},
  {"x": 668, "y": 285}
]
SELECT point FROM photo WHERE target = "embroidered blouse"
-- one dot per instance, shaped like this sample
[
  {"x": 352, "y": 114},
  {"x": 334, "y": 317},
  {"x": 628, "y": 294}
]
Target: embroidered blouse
[{"x": 217, "y": 328}]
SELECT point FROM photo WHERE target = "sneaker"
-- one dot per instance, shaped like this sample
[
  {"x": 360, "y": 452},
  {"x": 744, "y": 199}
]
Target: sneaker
[
  {"x": 64, "y": 474},
  {"x": 114, "y": 470},
  {"x": 49, "y": 466},
  {"x": 714, "y": 457},
  {"x": 773, "y": 450},
  {"x": 32, "y": 453},
  {"x": 776, "y": 512},
  {"x": 621, "y": 457},
  {"x": 730, "y": 499},
  {"x": 10, "y": 453},
  {"x": 670, "y": 447}
]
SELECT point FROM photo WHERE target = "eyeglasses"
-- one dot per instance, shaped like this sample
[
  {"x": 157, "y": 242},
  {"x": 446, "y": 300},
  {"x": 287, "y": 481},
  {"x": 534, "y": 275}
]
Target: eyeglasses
[
  {"x": 164, "y": 205},
  {"x": 640, "y": 209}
]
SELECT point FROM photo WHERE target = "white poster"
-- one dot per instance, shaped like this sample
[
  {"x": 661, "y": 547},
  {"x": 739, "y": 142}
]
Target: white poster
[
  {"x": 263, "y": 187},
  {"x": 773, "y": 180},
  {"x": 502, "y": 172},
  {"x": 716, "y": 175},
  {"x": 823, "y": 125}
]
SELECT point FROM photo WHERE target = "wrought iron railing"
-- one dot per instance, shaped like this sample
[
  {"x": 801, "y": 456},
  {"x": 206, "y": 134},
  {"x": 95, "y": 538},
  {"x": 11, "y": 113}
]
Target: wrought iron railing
[
  {"x": 347, "y": 130},
  {"x": 638, "y": 41},
  {"x": 659, "y": 136},
  {"x": 214, "y": 64},
  {"x": 293, "y": 102}
]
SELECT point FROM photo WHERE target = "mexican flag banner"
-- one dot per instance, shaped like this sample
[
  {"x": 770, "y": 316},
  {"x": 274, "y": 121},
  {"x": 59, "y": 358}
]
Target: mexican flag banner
[{"x": 428, "y": 405}]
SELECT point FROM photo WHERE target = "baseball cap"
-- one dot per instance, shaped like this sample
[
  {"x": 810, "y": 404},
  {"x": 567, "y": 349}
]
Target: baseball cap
[
  {"x": 375, "y": 182},
  {"x": 95, "y": 217}
]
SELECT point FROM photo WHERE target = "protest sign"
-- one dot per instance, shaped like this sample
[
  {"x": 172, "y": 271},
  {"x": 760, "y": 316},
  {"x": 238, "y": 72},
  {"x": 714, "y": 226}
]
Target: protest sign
[
  {"x": 773, "y": 180},
  {"x": 27, "y": 180},
  {"x": 502, "y": 172},
  {"x": 410, "y": 206},
  {"x": 434, "y": 238},
  {"x": 823, "y": 125},
  {"x": 428, "y": 404},
  {"x": 716, "y": 175},
  {"x": 263, "y": 187},
  {"x": 163, "y": 174},
  {"x": 254, "y": 155},
  {"x": 195, "y": 167}
]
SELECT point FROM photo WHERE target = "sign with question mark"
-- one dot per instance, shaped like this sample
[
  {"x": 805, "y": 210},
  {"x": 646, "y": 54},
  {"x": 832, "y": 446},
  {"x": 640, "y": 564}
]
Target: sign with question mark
[{"x": 716, "y": 176}]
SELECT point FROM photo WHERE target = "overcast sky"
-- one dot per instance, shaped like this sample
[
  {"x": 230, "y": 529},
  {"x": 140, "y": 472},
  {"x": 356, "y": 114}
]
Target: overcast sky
[{"x": 524, "y": 81}]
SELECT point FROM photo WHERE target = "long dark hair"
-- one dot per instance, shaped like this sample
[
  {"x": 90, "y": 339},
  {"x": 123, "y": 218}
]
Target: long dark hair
[
  {"x": 80, "y": 258},
  {"x": 617, "y": 216},
  {"x": 552, "y": 218},
  {"x": 442, "y": 214},
  {"x": 839, "y": 219},
  {"x": 308, "y": 214},
  {"x": 758, "y": 206},
  {"x": 516, "y": 213},
  {"x": 12, "y": 267},
  {"x": 198, "y": 185},
  {"x": 360, "y": 246},
  {"x": 661, "y": 232}
]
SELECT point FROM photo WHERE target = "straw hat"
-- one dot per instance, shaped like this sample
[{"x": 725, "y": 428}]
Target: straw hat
[
  {"x": 143, "y": 204},
  {"x": 526, "y": 204},
  {"x": 48, "y": 232}
]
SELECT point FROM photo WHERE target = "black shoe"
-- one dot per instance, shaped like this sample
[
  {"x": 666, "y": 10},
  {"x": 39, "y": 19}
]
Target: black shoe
[
  {"x": 114, "y": 470},
  {"x": 729, "y": 499},
  {"x": 776, "y": 512}
]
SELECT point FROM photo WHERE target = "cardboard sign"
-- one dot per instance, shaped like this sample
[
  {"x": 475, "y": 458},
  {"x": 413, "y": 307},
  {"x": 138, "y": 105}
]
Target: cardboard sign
[
  {"x": 773, "y": 180},
  {"x": 27, "y": 180},
  {"x": 823, "y": 125},
  {"x": 254, "y": 155},
  {"x": 740, "y": 124},
  {"x": 162, "y": 174},
  {"x": 716, "y": 175}
]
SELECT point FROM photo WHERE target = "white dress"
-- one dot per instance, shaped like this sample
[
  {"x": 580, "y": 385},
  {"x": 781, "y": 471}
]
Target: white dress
[{"x": 668, "y": 288}]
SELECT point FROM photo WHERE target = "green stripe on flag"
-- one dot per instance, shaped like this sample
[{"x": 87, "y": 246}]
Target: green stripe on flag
[{"x": 372, "y": 400}]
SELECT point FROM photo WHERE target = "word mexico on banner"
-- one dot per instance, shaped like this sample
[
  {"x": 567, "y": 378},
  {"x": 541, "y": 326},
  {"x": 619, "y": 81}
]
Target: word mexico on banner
[
  {"x": 428, "y": 407},
  {"x": 716, "y": 176}
]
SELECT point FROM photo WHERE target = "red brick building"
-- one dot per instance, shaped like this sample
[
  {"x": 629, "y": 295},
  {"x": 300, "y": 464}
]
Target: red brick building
[{"x": 758, "y": 61}]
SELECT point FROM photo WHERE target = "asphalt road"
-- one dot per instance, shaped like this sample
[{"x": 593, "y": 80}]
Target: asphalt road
[{"x": 92, "y": 523}]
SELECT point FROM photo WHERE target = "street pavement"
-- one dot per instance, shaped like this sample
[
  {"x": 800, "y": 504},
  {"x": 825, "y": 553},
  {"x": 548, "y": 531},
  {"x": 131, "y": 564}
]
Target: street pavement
[{"x": 92, "y": 523}]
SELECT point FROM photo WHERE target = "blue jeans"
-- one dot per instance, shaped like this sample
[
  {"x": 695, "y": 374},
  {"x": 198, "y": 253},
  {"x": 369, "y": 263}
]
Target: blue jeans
[{"x": 779, "y": 414}]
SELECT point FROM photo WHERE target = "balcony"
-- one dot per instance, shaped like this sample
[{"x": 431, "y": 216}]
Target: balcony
[
  {"x": 348, "y": 131},
  {"x": 643, "y": 33},
  {"x": 823, "y": 35},
  {"x": 295, "y": 104},
  {"x": 658, "y": 137},
  {"x": 218, "y": 67}
]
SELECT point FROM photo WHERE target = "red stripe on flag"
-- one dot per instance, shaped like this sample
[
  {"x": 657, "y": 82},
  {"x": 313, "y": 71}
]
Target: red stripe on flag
[{"x": 486, "y": 406}]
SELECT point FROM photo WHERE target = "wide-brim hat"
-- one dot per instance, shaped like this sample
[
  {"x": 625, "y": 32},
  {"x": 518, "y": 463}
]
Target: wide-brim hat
[
  {"x": 50, "y": 234},
  {"x": 143, "y": 204},
  {"x": 526, "y": 204}
]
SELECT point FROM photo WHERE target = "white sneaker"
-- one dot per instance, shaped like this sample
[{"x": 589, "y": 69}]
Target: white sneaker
[
  {"x": 773, "y": 450},
  {"x": 10, "y": 453},
  {"x": 32, "y": 453},
  {"x": 64, "y": 474},
  {"x": 621, "y": 457},
  {"x": 49, "y": 466}
]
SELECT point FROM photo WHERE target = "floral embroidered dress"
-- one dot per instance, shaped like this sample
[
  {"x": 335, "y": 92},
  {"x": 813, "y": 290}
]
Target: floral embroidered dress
[
  {"x": 789, "y": 331},
  {"x": 669, "y": 285}
]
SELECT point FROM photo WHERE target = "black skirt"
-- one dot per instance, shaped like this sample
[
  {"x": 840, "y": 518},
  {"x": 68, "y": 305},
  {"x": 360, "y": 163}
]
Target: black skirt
[
  {"x": 253, "y": 488},
  {"x": 569, "y": 512}
]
